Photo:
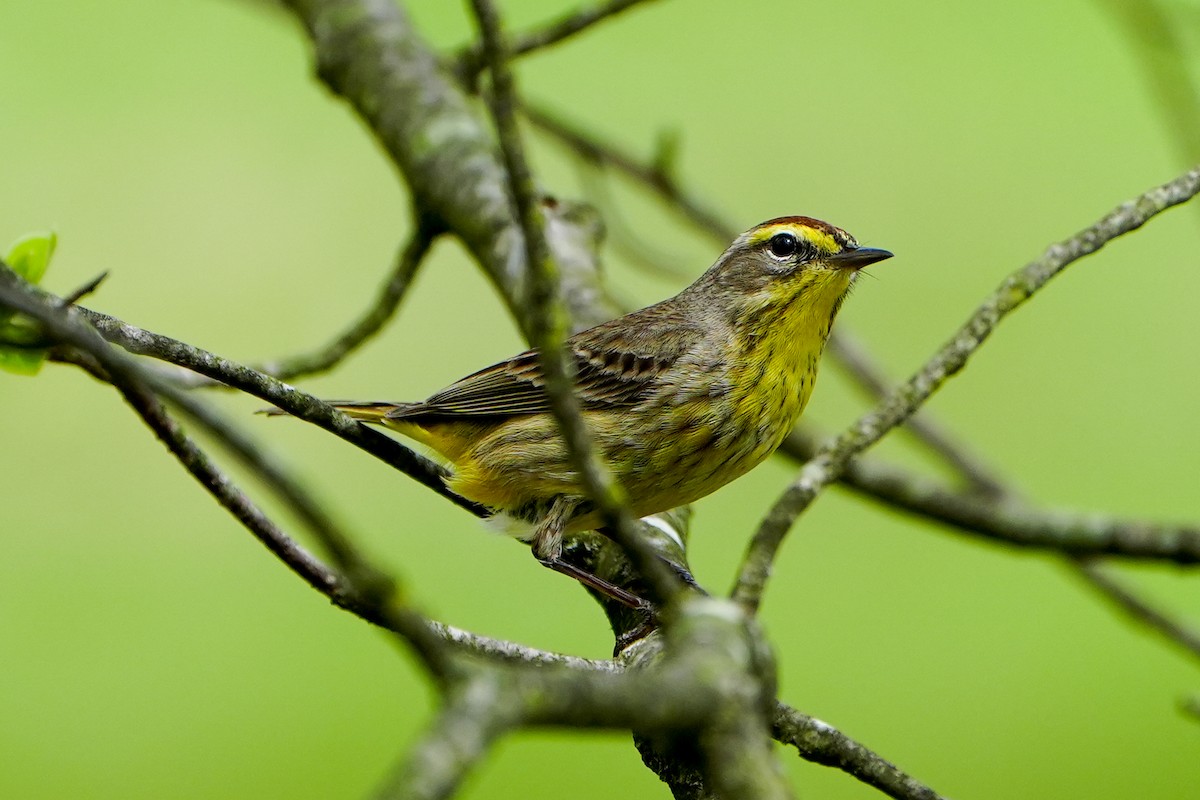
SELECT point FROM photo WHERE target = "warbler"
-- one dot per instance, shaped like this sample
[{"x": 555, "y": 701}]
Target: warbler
[{"x": 681, "y": 397}]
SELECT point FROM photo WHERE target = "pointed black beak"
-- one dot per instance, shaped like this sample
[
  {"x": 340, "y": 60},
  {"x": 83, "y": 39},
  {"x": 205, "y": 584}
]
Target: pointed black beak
[{"x": 859, "y": 257}]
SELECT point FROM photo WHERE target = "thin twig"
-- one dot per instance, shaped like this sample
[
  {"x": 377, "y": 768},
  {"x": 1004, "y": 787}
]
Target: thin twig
[
  {"x": 297, "y": 403},
  {"x": 1008, "y": 519},
  {"x": 830, "y": 462},
  {"x": 472, "y": 58},
  {"x": 369, "y": 323},
  {"x": 84, "y": 290},
  {"x": 1174, "y": 630},
  {"x": 512, "y": 652},
  {"x": 308, "y": 566},
  {"x": 215, "y": 481},
  {"x": 849, "y": 352},
  {"x": 546, "y": 321},
  {"x": 141, "y": 388},
  {"x": 621, "y": 235},
  {"x": 821, "y": 743},
  {"x": 607, "y": 154},
  {"x": 369, "y": 53}
]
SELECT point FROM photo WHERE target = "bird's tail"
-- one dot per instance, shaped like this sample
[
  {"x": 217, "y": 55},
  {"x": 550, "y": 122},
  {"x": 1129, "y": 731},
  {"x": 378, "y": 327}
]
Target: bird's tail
[{"x": 364, "y": 410}]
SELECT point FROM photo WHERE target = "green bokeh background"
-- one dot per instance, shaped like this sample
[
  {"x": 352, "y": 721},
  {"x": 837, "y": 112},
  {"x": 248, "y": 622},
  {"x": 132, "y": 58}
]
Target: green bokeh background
[{"x": 150, "y": 648}]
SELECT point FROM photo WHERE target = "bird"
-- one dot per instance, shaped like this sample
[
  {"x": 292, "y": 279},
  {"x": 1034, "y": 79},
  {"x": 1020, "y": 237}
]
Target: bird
[{"x": 680, "y": 397}]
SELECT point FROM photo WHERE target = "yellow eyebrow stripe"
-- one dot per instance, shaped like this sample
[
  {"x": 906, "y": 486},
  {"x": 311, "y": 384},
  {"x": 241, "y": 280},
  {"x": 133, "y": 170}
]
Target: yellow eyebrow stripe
[{"x": 822, "y": 240}]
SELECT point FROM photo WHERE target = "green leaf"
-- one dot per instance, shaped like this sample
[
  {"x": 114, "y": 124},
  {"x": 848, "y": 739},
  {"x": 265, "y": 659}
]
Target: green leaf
[
  {"x": 28, "y": 257},
  {"x": 21, "y": 362}
]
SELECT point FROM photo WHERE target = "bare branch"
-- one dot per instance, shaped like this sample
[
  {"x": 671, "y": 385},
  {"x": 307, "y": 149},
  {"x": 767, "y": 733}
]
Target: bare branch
[
  {"x": 297, "y": 403},
  {"x": 821, "y": 743},
  {"x": 369, "y": 53},
  {"x": 511, "y": 652},
  {"x": 1174, "y": 630},
  {"x": 831, "y": 461},
  {"x": 492, "y": 702},
  {"x": 715, "y": 648},
  {"x": 369, "y": 323},
  {"x": 606, "y": 154},
  {"x": 216, "y": 482},
  {"x": 1010, "y": 520},
  {"x": 739, "y": 761},
  {"x": 862, "y": 368},
  {"x": 695, "y": 684},
  {"x": 472, "y": 59},
  {"x": 546, "y": 323},
  {"x": 140, "y": 388}
]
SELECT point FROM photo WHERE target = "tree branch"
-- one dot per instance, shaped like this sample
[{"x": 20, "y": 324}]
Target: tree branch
[
  {"x": 217, "y": 483},
  {"x": 673, "y": 690},
  {"x": 297, "y": 403},
  {"x": 546, "y": 324},
  {"x": 510, "y": 652},
  {"x": 715, "y": 648},
  {"x": 312, "y": 570},
  {"x": 654, "y": 177},
  {"x": 821, "y": 743},
  {"x": 472, "y": 59},
  {"x": 141, "y": 389},
  {"x": 831, "y": 461},
  {"x": 1009, "y": 520},
  {"x": 858, "y": 364},
  {"x": 368, "y": 52},
  {"x": 1173, "y": 630},
  {"x": 369, "y": 323}
]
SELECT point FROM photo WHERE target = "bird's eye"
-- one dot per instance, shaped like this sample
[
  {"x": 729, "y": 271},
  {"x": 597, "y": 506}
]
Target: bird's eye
[{"x": 783, "y": 245}]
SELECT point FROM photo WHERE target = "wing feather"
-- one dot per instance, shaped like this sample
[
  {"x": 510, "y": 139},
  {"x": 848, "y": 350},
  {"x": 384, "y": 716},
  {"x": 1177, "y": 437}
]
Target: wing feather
[{"x": 617, "y": 364}]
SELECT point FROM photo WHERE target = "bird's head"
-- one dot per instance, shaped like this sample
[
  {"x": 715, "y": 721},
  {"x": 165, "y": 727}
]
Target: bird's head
[{"x": 787, "y": 264}]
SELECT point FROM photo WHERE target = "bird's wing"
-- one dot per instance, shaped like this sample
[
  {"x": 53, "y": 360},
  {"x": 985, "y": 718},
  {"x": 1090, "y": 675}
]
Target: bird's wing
[{"x": 616, "y": 364}]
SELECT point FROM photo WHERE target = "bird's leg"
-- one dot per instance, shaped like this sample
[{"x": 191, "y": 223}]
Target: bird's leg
[
  {"x": 548, "y": 535},
  {"x": 547, "y": 548},
  {"x": 609, "y": 590},
  {"x": 679, "y": 569}
]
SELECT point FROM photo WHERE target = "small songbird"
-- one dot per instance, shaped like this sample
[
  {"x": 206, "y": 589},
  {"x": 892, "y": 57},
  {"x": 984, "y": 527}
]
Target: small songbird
[{"x": 681, "y": 397}]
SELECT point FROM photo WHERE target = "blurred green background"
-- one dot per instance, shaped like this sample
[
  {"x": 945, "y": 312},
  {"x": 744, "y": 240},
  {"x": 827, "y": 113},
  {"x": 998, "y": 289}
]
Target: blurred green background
[{"x": 150, "y": 648}]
